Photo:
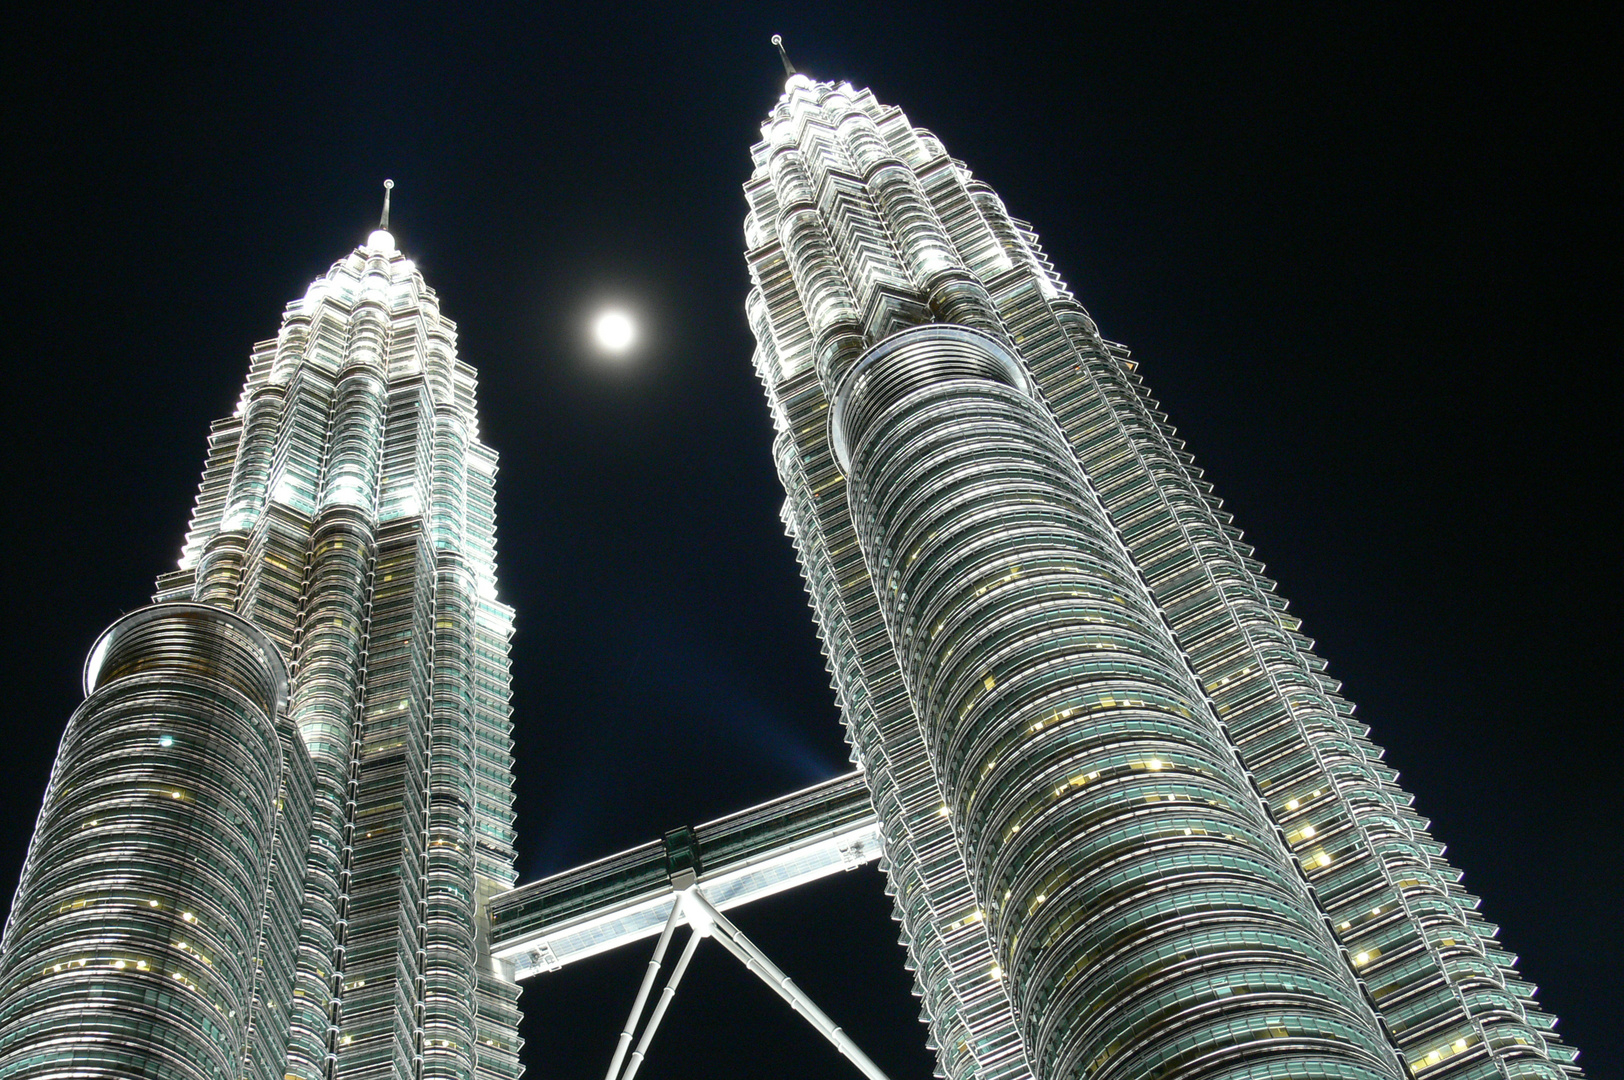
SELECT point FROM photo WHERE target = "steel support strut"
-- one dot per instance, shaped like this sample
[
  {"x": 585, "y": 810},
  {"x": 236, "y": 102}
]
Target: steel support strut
[
  {"x": 753, "y": 958},
  {"x": 704, "y": 920},
  {"x": 660, "y": 1006},
  {"x": 642, "y": 992}
]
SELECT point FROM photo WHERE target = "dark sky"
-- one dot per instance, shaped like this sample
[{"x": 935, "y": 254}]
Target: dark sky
[{"x": 1368, "y": 260}]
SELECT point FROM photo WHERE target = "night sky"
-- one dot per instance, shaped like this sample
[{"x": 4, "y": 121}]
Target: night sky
[{"x": 1368, "y": 261}]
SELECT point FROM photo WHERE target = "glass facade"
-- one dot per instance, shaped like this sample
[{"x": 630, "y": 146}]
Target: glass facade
[
  {"x": 274, "y": 825},
  {"x": 1131, "y": 828},
  {"x": 133, "y": 941}
]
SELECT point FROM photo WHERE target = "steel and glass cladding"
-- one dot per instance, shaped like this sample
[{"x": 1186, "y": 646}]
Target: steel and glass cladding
[
  {"x": 275, "y": 823},
  {"x": 1131, "y": 827},
  {"x": 133, "y": 940}
]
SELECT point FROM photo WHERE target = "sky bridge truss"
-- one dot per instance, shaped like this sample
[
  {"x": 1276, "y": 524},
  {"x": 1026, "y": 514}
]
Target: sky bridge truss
[
  {"x": 792, "y": 840},
  {"x": 691, "y": 876}
]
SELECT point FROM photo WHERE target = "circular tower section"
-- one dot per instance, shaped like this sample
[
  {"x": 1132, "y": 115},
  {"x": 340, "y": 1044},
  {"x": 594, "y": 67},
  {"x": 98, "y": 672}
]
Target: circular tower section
[
  {"x": 1142, "y": 908},
  {"x": 131, "y": 941}
]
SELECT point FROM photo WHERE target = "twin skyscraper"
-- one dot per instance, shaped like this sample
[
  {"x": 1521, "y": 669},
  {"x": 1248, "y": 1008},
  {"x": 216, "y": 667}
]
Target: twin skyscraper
[
  {"x": 272, "y": 825},
  {"x": 1130, "y": 827}
]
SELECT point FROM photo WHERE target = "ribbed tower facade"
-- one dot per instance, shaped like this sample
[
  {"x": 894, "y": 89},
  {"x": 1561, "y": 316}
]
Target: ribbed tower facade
[
  {"x": 1131, "y": 828},
  {"x": 272, "y": 827}
]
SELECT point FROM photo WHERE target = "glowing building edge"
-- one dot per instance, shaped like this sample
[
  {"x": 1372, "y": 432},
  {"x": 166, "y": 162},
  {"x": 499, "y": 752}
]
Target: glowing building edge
[
  {"x": 274, "y": 825},
  {"x": 1081, "y": 708}
]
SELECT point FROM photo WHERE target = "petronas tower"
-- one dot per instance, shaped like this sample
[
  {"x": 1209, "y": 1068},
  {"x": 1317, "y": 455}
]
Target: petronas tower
[
  {"x": 1131, "y": 828},
  {"x": 273, "y": 825}
]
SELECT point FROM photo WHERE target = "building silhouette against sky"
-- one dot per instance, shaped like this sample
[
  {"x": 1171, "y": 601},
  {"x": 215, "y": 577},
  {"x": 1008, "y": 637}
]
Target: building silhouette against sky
[
  {"x": 1130, "y": 826},
  {"x": 273, "y": 825}
]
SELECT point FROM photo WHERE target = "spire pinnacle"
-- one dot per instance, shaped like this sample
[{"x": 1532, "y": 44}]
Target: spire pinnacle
[
  {"x": 383, "y": 223},
  {"x": 789, "y": 68}
]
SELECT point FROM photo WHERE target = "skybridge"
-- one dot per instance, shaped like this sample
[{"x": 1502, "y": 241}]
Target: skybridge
[
  {"x": 692, "y": 876},
  {"x": 755, "y": 853}
]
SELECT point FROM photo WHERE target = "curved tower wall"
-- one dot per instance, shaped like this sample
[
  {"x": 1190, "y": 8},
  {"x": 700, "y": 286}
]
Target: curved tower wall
[
  {"x": 1137, "y": 893},
  {"x": 133, "y": 941},
  {"x": 860, "y": 227}
]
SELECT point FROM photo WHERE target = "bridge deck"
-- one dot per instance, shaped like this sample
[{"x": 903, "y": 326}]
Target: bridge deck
[{"x": 745, "y": 856}]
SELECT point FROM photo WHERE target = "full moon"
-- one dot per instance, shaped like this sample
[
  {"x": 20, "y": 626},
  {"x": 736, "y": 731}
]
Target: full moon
[{"x": 614, "y": 331}]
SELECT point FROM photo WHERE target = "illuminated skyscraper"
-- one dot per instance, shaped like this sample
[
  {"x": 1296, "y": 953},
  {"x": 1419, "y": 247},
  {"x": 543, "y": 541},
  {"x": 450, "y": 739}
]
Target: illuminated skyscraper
[
  {"x": 1130, "y": 826},
  {"x": 273, "y": 826}
]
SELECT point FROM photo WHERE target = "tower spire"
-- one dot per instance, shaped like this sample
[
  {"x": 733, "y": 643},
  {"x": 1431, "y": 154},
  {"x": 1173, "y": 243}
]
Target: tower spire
[
  {"x": 383, "y": 222},
  {"x": 789, "y": 68}
]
